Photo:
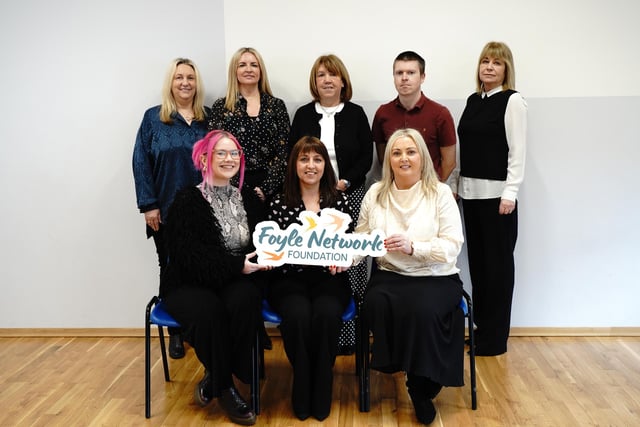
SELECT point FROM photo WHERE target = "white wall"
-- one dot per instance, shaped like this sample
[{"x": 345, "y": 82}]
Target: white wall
[{"x": 78, "y": 76}]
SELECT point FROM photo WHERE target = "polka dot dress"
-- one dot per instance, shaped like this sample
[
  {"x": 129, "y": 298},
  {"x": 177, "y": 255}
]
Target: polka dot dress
[{"x": 357, "y": 280}]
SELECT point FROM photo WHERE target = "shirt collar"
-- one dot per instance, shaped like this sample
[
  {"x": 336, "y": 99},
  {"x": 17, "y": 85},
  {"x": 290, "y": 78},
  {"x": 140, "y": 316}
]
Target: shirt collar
[{"x": 492, "y": 92}]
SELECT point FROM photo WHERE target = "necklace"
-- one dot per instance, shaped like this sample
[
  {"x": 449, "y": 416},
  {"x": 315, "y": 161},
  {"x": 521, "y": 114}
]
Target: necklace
[
  {"x": 329, "y": 111},
  {"x": 187, "y": 117}
]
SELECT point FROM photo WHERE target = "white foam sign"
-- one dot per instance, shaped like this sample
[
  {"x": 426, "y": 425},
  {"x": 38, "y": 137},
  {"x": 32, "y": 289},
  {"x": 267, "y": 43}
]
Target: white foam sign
[{"x": 318, "y": 240}]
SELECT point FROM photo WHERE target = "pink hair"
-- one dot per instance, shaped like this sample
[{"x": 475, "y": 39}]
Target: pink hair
[{"x": 206, "y": 147}]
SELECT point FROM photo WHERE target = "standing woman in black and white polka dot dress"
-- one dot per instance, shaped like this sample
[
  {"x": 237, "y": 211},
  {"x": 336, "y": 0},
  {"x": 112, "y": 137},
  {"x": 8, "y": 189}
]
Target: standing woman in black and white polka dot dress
[
  {"x": 261, "y": 124},
  {"x": 343, "y": 128}
]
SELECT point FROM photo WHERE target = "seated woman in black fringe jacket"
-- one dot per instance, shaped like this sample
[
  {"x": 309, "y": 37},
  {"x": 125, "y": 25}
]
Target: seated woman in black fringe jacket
[{"x": 208, "y": 284}]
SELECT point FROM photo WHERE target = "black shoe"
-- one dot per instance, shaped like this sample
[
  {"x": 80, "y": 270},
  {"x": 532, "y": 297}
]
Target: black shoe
[
  {"x": 202, "y": 392},
  {"x": 266, "y": 340},
  {"x": 422, "y": 404},
  {"x": 176, "y": 347},
  {"x": 422, "y": 390},
  {"x": 236, "y": 408}
]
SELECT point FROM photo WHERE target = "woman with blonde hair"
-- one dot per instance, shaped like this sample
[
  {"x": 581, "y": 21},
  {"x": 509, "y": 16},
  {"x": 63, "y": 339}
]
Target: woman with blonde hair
[
  {"x": 162, "y": 156},
  {"x": 493, "y": 135},
  {"x": 260, "y": 122},
  {"x": 411, "y": 305}
]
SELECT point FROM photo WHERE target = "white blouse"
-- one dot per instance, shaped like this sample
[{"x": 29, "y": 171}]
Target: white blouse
[
  {"x": 432, "y": 223},
  {"x": 515, "y": 123}
]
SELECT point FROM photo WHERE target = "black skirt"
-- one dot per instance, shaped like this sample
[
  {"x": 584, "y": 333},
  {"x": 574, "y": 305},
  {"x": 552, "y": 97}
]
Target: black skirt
[{"x": 417, "y": 325}]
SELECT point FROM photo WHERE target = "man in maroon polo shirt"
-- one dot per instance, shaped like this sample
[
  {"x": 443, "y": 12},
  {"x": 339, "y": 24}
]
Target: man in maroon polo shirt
[{"x": 411, "y": 109}]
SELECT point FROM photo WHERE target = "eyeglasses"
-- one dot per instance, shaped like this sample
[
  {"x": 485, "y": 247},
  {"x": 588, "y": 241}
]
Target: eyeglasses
[{"x": 222, "y": 154}]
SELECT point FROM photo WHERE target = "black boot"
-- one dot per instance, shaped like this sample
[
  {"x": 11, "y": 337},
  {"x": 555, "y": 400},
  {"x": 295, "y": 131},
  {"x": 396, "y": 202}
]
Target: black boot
[
  {"x": 236, "y": 407},
  {"x": 422, "y": 390},
  {"x": 202, "y": 392},
  {"x": 176, "y": 346}
]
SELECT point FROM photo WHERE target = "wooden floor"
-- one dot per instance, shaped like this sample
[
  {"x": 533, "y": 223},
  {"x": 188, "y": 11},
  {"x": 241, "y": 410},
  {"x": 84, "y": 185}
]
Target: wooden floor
[{"x": 100, "y": 382}]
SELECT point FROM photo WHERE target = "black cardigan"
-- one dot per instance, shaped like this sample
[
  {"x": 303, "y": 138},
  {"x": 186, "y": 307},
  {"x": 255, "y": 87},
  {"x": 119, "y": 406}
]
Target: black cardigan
[
  {"x": 353, "y": 140},
  {"x": 195, "y": 244}
]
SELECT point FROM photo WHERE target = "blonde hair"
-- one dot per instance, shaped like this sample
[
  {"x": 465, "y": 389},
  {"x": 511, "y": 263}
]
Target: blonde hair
[
  {"x": 168, "y": 106},
  {"x": 333, "y": 64},
  {"x": 500, "y": 51},
  {"x": 233, "y": 89},
  {"x": 428, "y": 175}
]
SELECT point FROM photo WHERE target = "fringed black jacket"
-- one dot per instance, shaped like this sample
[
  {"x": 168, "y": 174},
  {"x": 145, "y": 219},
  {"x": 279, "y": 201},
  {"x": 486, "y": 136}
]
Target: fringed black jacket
[{"x": 195, "y": 244}]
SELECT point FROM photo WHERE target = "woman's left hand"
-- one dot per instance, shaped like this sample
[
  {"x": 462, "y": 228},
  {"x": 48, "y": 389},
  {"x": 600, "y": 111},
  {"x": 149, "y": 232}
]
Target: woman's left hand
[
  {"x": 506, "y": 207},
  {"x": 259, "y": 193},
  {"x": 398, "y": 243}
]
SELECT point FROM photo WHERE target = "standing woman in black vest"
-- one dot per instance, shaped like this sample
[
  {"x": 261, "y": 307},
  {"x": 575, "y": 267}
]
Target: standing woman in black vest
[{"x": 492, "y": 133}]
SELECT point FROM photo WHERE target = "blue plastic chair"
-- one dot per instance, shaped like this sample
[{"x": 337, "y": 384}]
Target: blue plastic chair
[
  {"x": 269, "y": 315},
  {"x": 467, "y": 308},
  {"x": 157, "y": 315}
]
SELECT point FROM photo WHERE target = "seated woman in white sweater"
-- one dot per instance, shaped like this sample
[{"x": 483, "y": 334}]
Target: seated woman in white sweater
[{"x": 411, "y": 305}]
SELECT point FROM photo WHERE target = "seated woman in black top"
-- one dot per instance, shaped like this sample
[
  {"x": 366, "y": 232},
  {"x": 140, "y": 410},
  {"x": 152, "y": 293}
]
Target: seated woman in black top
[
  {"x": 310, "y": 299},
  {"x": 206, "y": 285}
]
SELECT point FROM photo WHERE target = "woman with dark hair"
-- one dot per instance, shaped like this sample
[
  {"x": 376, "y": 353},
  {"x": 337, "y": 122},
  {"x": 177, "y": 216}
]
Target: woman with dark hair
[
  {"x": 343, "y": 128},
  {"x": 162, "y": 156},
  {"x": 310, "y": 299},
  {"x": 206, "y": 284}
]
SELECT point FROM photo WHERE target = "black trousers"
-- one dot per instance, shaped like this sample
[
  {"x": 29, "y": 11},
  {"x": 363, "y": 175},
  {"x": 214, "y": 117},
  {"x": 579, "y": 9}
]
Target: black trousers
[
  {"x": 163, "y": 255},
  {"x": 491, "y": 240},
  {"x": 220, "y": 326},
  {"x": 311, "y": 304}
]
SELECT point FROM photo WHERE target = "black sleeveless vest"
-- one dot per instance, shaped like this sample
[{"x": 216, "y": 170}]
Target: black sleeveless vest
[{"x": 483, "y": 140}]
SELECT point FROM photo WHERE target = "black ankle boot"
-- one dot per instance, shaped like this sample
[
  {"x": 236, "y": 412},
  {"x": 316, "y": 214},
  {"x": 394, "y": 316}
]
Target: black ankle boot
[
  {"x": 202, "y": 392},
  {"x": 237, "y": 409},
  {"x": 420, "y": 393},
  {"x": 176, "y": 346}
]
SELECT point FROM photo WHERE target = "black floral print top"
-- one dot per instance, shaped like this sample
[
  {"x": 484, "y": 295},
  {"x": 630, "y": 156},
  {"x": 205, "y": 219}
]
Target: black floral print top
[{"x": 263, "y": 139}]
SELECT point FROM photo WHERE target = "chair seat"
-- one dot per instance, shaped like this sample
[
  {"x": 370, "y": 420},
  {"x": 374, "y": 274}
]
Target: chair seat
[
  {"x": 159, "y": 316},
  {"x": 269, "y": 315},
  {"x": 463, "y": 306}
]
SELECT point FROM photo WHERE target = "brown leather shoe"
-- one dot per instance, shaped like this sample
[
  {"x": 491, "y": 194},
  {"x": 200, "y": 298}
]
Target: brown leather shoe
[{"x": 236, "y": 407}]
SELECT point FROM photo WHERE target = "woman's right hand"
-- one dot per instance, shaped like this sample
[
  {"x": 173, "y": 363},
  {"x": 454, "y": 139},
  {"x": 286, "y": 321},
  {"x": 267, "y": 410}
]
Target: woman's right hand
[
  {"x": 152, "y": 218},
  {"x": 252, "y": 267}
]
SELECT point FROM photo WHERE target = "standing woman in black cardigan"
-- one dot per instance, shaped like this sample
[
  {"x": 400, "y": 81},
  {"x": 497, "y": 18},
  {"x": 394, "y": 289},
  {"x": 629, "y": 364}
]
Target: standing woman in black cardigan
[
  {"x": 344, "y": 129},
  {"x": 493, "y": 134},
  {"x": 208, "y": 285}
]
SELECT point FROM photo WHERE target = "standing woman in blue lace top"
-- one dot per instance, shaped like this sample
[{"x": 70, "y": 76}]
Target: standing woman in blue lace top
[
  {"x": 162, "y": 155},
  {"x": 261, "y": 124}
]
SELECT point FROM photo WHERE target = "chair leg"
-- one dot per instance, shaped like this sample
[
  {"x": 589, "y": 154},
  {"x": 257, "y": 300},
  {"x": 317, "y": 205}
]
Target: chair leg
[
  {"x": 362, "y": 351},
  {"x": 147, "y": 364},
  {"x": 163, "y": 349},
  {"x": 472, "y": 358},
  {"x": 257, "y": 357}
]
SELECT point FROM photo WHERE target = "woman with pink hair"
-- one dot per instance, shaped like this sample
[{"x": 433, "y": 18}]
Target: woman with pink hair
[{"x": 208, "y": 285}]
